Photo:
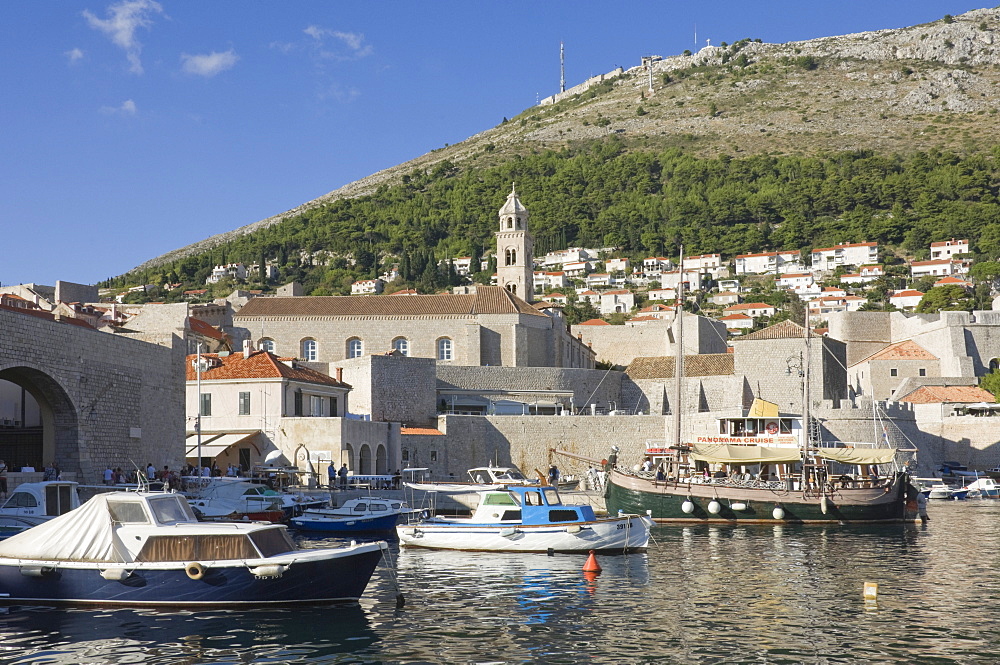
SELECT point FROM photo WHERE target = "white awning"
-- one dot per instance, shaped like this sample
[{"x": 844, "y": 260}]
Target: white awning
[{"x": 215, "y": 445}]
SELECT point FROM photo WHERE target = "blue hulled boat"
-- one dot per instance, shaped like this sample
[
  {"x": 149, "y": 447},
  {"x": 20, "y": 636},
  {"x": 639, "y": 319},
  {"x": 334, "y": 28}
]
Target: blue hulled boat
[
  {"x": 149, "y": 549},
  {"x": 368, "y": 513}
]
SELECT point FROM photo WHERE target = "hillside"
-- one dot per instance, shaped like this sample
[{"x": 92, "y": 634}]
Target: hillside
[{"x": 902, "y": 91}]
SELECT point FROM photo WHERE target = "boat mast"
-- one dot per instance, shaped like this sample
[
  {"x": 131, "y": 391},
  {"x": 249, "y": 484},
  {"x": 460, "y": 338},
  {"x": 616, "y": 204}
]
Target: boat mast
[
  {"x": 806, "y": 416},
  {"x": 678, "y": 357}
]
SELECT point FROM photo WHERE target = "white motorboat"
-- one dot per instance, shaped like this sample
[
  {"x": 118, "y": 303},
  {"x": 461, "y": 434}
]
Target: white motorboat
[
  {"x": 369, "y": 513},
  {"x": 30, "y": 504},
  {"x": 523, "y": 518},
  {"x": 149, "y": 549}
]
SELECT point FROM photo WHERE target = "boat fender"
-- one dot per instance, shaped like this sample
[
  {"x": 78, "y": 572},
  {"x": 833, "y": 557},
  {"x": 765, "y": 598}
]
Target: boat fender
[
  {"x": 116, "y": 574},
  {"x": 37, "y": 571},
  {"x": 778, "y": 513},
  {"x": 822, "y": 504},
  {"x": 269, "y": 571},
  {"x": 714, "y": 507},
  {"x": 687, "y": 506},
  {"x": 195, "y": 570},
  {"x": 740, "y": 506},
  {"x": 575, "y": 528},
  {"x": 510, "y": 532}
]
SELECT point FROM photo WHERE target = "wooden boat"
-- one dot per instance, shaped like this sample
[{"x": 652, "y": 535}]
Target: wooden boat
[
  {"x": 523, "y": 518},
  {"x": 149, "y": 549},
  {"x": 761, "y": 466},
  {"x": 370, "y": 513},
  {"x": 229, "y": 500}
]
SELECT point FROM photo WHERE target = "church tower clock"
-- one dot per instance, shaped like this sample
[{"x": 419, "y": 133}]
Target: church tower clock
[{"x": 515, "y": 269}]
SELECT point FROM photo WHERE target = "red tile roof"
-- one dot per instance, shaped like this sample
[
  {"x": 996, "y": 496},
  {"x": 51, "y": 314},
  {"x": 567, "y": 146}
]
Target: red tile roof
[
  {"x": 594, "y": 322},
  {"x": 260, "y": 365},
  {"x": 205, "y": 329},
  {"x": 905, "y": 350},
  {"x": 421, "y": 431},
  {"x": 949, "y": 394},
  {"x": 486, "y": 300}
]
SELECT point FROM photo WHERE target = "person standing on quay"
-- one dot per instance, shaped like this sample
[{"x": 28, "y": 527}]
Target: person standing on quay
[{"x": 343, "y": 477}]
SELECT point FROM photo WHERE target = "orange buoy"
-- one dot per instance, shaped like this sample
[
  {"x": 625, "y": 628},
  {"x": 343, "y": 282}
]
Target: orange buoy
[{"x": 592, "y": 566}]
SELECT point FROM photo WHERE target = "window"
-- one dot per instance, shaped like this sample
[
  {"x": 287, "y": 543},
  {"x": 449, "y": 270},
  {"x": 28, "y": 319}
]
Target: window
[
  {"x": 893, "y": 372},
  {"x": 266, "y": 345},
  {"x": 406, "y": 454},
  {"x": 444, "y": 349},
  {"x": 510, "y": 257},
  {"x": 402, "y": 345},
  {"x": 206, "y": 404},
  {"x": 923, "y": 372},
  {"x": 315, "y": 406},
  {"x": 309, "y": 352},
  {"x": 434, "y": 455},
  {"x": 333, "y": 407},
  {"x": 354, "y": 348},
  {"x": 244, "y": 404},
  {"x": 298, "y": 403}
]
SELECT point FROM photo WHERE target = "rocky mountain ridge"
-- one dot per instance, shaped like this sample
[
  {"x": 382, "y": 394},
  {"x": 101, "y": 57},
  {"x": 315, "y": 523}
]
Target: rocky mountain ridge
[{"x": 899, "y": 90}]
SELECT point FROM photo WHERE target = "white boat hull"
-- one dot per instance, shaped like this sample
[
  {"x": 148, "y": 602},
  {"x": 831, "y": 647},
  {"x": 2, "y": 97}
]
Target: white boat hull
[{"x": 625, "y": 534}]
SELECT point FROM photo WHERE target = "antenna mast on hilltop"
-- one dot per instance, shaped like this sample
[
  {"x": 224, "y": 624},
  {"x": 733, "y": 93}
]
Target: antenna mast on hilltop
[{"x": 562, "y": 68}]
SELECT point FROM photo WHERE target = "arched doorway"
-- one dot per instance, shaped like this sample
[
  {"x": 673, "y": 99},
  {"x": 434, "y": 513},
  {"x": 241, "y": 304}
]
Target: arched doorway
[
  {"x": 347, "y": 457},
  {"x": 381, "y": 464},
  {"x": 365, "y": 460},
  {"x": 38, "y": 421}
]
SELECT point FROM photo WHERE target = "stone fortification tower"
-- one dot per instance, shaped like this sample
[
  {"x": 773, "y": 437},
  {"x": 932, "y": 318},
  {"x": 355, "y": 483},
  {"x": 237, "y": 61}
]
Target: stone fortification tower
[{"x": 515, "y": 269}]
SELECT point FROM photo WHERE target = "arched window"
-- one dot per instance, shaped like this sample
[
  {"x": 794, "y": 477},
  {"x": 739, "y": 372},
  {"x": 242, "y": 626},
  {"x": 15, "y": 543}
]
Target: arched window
[
  {"x": 402, "y": 345},
  {"x": 510, "y": 222},
  {"x": 444, "y": 349},
  {"x": 309, "y": 350},
  {"x": 512, "y": 288},
  {"x": 355, "y": 349},
  {"x": 266, "y": 344},
  {"x": 510, "y": 257}
]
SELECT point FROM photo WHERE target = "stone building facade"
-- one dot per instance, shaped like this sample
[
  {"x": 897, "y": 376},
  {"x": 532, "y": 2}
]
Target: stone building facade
[{"x": 489, "y": 327}]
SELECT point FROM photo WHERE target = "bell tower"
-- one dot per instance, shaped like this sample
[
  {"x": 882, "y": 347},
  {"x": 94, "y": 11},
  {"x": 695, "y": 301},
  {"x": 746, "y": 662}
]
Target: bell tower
[{"x": 515, "y": 268}]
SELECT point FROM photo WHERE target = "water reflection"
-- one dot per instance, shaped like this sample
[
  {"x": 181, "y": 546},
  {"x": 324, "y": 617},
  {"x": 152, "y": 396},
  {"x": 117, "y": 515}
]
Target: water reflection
[
  {"x": 48, "y": 635},
  {"x": 704, "y": 594}
]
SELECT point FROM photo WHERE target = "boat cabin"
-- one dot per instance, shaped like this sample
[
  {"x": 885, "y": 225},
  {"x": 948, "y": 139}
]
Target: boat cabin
[
  {"x": 42, "y": 500},
  {"x": 491, "y": 475},
  {"x": 528, "y": 505}
]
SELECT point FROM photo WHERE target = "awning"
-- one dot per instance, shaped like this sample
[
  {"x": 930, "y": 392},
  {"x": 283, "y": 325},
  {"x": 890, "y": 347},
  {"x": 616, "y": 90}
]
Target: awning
[
  {"x": 722, "y": 453},
  {"x": 214, "y": 445},
  {"x": 858, "y": 455}
]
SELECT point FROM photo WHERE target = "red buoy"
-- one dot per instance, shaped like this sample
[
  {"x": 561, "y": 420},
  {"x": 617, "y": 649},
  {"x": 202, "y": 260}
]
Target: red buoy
[{"x": 592, "y": 566}]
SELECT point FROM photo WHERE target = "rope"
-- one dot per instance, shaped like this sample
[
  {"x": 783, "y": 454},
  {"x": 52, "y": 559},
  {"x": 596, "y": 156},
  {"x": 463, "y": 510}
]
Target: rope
[{"x": 400, "y": 598}]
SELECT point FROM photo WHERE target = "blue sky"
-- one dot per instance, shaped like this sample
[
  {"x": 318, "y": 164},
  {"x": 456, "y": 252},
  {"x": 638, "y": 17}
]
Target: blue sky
[{"x": 137, "y": 127}]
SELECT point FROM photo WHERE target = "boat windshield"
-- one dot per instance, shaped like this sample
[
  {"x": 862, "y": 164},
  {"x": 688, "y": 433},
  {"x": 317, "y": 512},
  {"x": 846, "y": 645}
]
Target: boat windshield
[
  {"x": 552, "y": 497},
  {"x": 273, "y": 541},
  {"x": 499, "y": 499},
  {"x": 171, "y": 510}
]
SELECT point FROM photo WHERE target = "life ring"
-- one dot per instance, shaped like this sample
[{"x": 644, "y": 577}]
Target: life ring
[
  {"x": 772, "y": 428},
  {"x": 195, "y": 570}
]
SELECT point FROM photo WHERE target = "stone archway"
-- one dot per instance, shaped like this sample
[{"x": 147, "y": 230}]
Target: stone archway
[
  {"x": 365, "y": 460},
  {"x": 381, "y": 465},
  {"x": 59, "y": 437}
]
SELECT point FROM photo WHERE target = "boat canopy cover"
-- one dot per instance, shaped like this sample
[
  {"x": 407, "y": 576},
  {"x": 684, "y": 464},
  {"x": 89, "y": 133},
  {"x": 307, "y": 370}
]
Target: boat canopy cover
[
  {"x": 83, "y": 534},
  {"x": 723, "y": 453},
  {"x": 858, "y": 455}
]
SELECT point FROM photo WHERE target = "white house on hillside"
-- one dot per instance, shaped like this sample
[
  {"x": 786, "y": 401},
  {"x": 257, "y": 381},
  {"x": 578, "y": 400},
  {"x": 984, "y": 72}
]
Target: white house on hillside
[
  {"x": 760, "y": 264},
  {"x": 848, "y": 254},
  {"x": 948, "y": 248}
]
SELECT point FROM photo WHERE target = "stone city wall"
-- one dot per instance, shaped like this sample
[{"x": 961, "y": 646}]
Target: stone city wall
[{"x": 112, "y": 401}]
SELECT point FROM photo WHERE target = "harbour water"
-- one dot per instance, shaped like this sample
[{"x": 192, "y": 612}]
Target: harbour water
[{"x": 702, "y": 594}]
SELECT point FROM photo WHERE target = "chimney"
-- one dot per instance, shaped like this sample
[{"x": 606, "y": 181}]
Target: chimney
[
  {"x": 340, "y": 374},
  {"x": 247, "y": 348}
]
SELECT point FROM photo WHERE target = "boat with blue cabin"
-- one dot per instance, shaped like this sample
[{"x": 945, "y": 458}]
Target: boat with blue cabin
[
  {"x": 140, "y": 549},
  {"x": 370, "y": 513},
  {"x": 523, "y": 518}
]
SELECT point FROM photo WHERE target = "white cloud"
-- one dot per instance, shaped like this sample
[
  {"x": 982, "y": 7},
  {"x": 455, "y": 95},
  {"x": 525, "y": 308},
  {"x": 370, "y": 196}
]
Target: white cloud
[
  {"x": 123, "y": 20},
  {"x": 209, "y": 65},
  {"x": 74, "y": 54},
  {"x": 354, "y": 41},
  {"x": 127, "y": 108},
  {"x": 335, "y": 91}
]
